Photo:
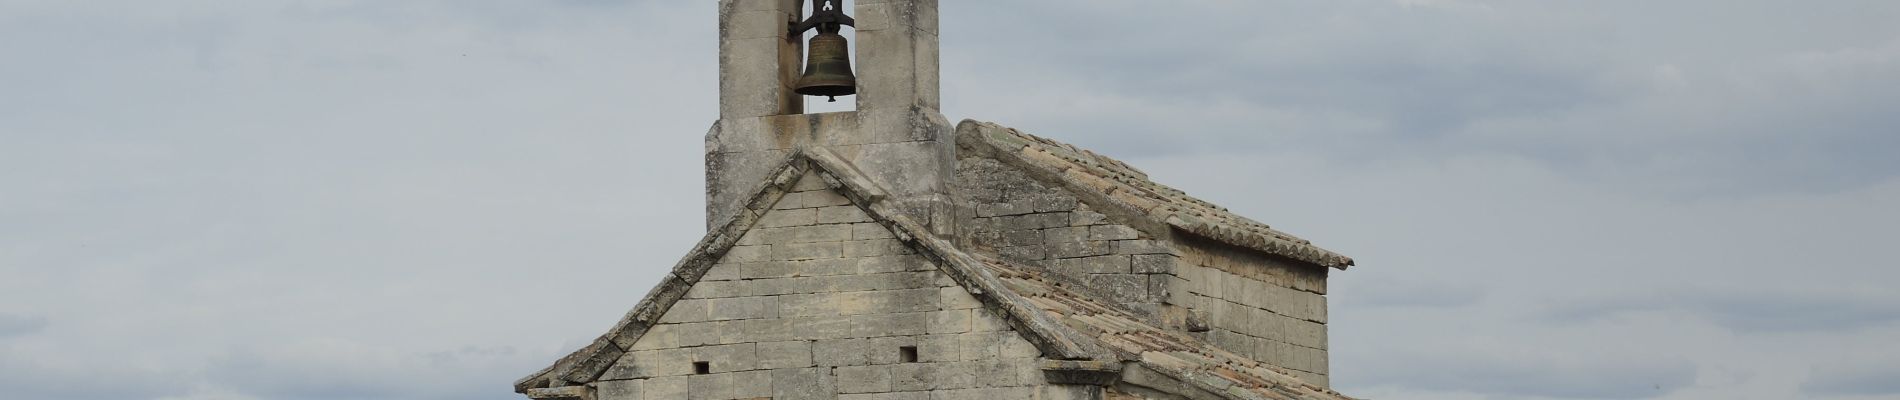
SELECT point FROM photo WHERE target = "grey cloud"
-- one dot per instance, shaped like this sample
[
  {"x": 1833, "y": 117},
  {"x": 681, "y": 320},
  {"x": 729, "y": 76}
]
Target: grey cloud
[
  {"x": 1396, "y": 293},
  {"x": 100, "y": 379},
  {"x": 341, "y": 370},
  {"x": 1854, "y": 379},
  {"x": 1497, "y": 374},
  {"x": 1742, "y": 310},
  {"x": 18, "y": 324},
  {"x": 1412, "y": 80}
]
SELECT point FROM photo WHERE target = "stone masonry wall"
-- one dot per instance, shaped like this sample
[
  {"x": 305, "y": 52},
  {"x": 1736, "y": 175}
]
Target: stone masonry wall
[
  {"x": 1025, "y": 221},
  {"x": 1267, "y": 308},
  {"x": 819, "y": 302},
  {"x": 1270, "y": 309}
]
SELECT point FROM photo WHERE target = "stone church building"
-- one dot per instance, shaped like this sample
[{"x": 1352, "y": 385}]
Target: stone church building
[{"x": 884, "y": 253}]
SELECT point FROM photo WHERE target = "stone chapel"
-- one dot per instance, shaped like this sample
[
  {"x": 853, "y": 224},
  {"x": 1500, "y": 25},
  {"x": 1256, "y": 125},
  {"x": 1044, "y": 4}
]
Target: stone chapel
[{"x": 884, "y": 253}]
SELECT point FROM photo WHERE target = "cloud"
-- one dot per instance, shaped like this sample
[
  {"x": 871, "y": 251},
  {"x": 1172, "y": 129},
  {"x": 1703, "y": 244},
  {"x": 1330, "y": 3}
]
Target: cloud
[
  {"x": 1378, "y": 292},
  {"x": 336, "y": 369},
  {"x": 18, "y": 325},
  {"x": 1496, "y": 372},
  {"x": 82, "y": 375},
  {"x": 1750, "y": 310},
  {"x": 1863, "y": 378}
]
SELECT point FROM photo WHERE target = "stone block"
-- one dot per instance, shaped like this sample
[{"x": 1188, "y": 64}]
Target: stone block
[
  {"x": 1232, "y": 342},
  {"x": 979, "y": 346},
  {"x": 619, "y": 390},
  {"x": 840, "y": 352},
  {"x": 1028, "y": 222},
  {"x": 1126, "y": 288},
  {"x": 997, "y": 372},
  {"x": 864, "y": 379},
  {"x": 746, "y": 254},
  {"x": 939, "y": 348},
  {"x": 886, "y": 396},
  {"x": 1065, "y": 235},
  {"x": 1153, "y": 263},
  {"x": 753, "y": 330},
  {"x": 842, "y": 215},
  {"x": 807, "y": 251},
  {"x": 665, "y": 388},
  {"x": 787, "y": 354},
  {"x": 710, "y": 387},
  {"x": 1113, "y": 232},
  {"x": 855, "y": 303},
  {"x": 885, "y": 350},
  {"x": 876, "y": 247},
  {"x": 1158, "y": 288},
  {"x": 683, "y": 311},
  {"x": 986, "y": 210},
  {"x": 868, "y": 231},
  {"x": 820, "y": 233},
  {"x": 1087, "y": 218},
  {"x": 982, "y": 320},
  {"x": 898, "y": 263},
  {"x": 700, "y": 333},
  {"x": 1110, "y": 264},
  {"x": 1305, "y": 333},
  {"x": 803, "y": 384},
  {"x": 950, "y": 321},
  {"x": 759, "y": 236},
  {"x": 1054, "y": 202},
  {"x": 751, "y": 80},
  {"x": 1142, "y": 246},
  {"x": 657, "y": 337},
  {"x": 752, "y": 384},
  {"x": 1024, "y": 253},
  {"x": 992, "y": 393},
  {"x": 904, "y": 324},
  {"x": 1076, "y": 249},
  {"x": 732, "y": 308},
  {"x": 816, "y": 328},
  {"x": 647, "y": 364},
  {"x": 913, "y": 376},
  {"x": 956, "y": 375},
  {"x": 785, "y": 218},
  {"x": 728, "y": 358},
  {"x": 825, "y": 198},
  {"x": 957, "y": 298},
  {"x": 1069, "y": 392}
]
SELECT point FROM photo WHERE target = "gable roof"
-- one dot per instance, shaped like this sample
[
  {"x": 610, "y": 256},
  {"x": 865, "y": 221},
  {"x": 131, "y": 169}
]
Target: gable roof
[
  {"x": 1103, "y": 181},
  {"x": 1063, "y": 324}
]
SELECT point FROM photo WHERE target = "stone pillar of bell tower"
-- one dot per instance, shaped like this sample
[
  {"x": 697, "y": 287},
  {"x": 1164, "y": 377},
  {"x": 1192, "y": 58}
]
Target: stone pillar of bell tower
[{"x": 897, "y": 136}]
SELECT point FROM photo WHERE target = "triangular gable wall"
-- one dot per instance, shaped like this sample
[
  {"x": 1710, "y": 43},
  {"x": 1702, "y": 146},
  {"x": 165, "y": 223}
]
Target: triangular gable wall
[
  {"x": 593, "y": 361},
  {"x": 829, "y": 301}
]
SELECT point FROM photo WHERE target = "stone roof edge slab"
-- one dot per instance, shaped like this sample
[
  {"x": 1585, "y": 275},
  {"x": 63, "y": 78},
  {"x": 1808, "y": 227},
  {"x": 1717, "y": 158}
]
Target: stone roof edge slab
[{"x": 1034, "y": 155}]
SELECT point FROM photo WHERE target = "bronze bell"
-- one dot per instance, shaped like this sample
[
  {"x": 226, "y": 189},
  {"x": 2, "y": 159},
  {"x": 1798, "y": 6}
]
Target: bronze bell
[{"x": 828, "y": 68}]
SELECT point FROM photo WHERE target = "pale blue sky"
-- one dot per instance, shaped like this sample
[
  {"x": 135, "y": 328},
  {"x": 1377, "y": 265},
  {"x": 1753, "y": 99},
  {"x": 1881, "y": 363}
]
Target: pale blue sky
[{"x": 428, "y": 199}]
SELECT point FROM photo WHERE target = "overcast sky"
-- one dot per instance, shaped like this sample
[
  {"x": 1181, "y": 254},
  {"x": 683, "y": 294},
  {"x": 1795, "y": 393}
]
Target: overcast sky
[{"x": 429, "y": 199}]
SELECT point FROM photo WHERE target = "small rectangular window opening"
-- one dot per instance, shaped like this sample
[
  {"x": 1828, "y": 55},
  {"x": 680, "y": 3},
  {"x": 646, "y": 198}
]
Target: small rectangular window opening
[
  {"x": 907, "y": 354},
  {"x": 702, "y": 367}
]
